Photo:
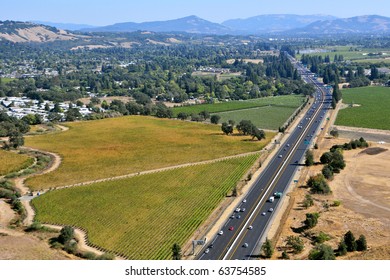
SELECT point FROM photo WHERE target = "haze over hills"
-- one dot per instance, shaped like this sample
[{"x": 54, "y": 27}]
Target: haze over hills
[
  {"x": 355, "y": 25},
  {"x": 64, "y": 26},
  {"x": 273, "y": 23},
  {"x": 190, "y": 24},
  {"x": 16, "y": 31}
]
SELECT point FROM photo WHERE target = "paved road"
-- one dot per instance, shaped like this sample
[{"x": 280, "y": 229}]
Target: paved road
[{"x": 238, "y": 240}]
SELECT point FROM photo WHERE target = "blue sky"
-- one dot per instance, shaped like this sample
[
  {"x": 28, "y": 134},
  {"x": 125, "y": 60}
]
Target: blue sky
[{"x": 103, "y": 12}]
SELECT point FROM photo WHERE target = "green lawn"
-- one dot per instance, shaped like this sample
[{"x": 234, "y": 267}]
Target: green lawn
[
  {"x": 284, "y": 101},
  {"x": 111, "y": 147},
  {"x": 269, "y": 117},
  {"x": 143, "y": 216},
  {"x": 374, "y": 109}
]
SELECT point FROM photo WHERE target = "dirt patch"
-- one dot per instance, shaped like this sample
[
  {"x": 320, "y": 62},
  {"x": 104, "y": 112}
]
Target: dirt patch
[
  {"x": 28, "y": 247},
  {"x": 6, "y": 214}
]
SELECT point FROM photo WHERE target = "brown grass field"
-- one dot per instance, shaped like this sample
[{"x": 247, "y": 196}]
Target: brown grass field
[
  {"x": 112, "y": 147},
  {"x": 12, "y": 162}
]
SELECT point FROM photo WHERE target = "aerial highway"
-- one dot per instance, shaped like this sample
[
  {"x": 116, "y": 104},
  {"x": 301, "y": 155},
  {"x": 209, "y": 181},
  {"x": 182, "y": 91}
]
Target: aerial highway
[{"x": 239, "y": 237}]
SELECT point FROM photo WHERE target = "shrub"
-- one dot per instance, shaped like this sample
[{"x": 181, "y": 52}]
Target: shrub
[
  {"x": 66, "y": 235},
  {"x": 322, "y": 252},
  {"x": 311, "y": 220},
  {"x": 322, "y": 237},
  {"x": 350, "y": 241}
]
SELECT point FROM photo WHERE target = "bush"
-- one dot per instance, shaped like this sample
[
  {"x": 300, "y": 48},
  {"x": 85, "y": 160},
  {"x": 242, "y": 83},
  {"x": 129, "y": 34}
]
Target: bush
[
  {"x": 327, "y": 171},
  {"x": 318, "y": 184},
  {"x": 311, "y": 220},
  {"x": 267, "y": 248},
  {"x": 322, "y": 237},
  {"x": 296, "y": 243},
  {"x": 66, "y": 235},
  {"x": 106, "y": 256},
  {"x": 215, "y": 119},
  {"x": 322, "y": 252},
  {"x": 336, "y": 203}
]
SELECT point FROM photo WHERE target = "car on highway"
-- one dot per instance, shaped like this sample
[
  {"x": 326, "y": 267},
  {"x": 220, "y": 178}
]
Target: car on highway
[
  {"x": 263, "y": 214},
  {"x": 238, "y": 210},
  {"x": 271, "y": 210},
  {"x": 243, "y": 209},
  {"x": 245, "y": 245},
  {"x": 211, "y": 246},
  {"x": 220, "y": 232},
  {"x": 207, "y": 251},
  {"x": 244, "y": 201},
  {"x": 250, "y": 227},
  {"x": 238, "y": 217},
  {"x": 280, "y": 156},
  {"x": 231, "y": 228}
]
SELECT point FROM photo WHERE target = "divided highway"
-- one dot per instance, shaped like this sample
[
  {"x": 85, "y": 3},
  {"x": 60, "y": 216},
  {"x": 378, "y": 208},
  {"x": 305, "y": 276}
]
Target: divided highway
[{"x": 241, "y": 233}]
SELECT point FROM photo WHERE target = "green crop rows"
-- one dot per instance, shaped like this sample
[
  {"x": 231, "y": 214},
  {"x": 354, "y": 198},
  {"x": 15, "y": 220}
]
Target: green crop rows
[
  {"x": 371, "y": 108},
  {"x": 269, "y": 117},
  {"x": 143, "y": 216},
  {"x": 282, "y": 101}
]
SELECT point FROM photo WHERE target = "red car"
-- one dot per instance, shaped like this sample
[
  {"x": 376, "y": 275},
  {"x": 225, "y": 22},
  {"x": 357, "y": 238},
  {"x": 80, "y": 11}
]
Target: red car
[{"x": 231, "y": 228}]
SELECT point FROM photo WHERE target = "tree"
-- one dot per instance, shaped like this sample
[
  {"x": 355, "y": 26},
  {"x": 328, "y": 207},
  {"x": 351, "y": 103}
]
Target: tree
[
  {"x": 327, "y": 171},
  {"x": 66, "y": 234},
  {"x": 311, "y": 220},
  {"x": 204, "y": 114},
  {"x": 322, "y": 252},
  {"x": 182, "y": 116},
  {"x": 215, "y": 119},
  {"x": 15, "y": 139},
  {"x": 350, "y": 241},
  {"x": 73, "y": 114},
  {"x": 176, "y": 252},
  {"x": 162, "y": 111},
  {"x": 318, "y": 184},
  {"x": 227, "y": 128},
  {"x": 361, "y": 243},
  {"x": 309, "y": 158},
  {"x": 258, "y": 133},
  {"x": 326, "y": 158},
  {"x": 245, "y": 127},
  {"x": 267, "y": 248},
  {"x": 296, "y": 243}
]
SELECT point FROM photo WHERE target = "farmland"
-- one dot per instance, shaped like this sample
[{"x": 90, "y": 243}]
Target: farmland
[
  {"x": 370, "y": 110},
  {"x": 143, "y": 216},
  {"x": 355, "y": 54},
  {"x": 268, "y": 117},
  {"x": 283, "y": 101},
  {"x": 12, "y": 162},
  {"x": 112, "y": 147}
]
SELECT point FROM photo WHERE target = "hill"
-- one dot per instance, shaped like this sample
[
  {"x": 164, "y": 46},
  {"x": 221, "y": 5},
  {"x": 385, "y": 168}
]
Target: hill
[
  {"x": 18, "y": 32},
  {"x": 273, "y": 23},
  {"x": 370, "y": 24},
  {"x": 190, "y": 24}
]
